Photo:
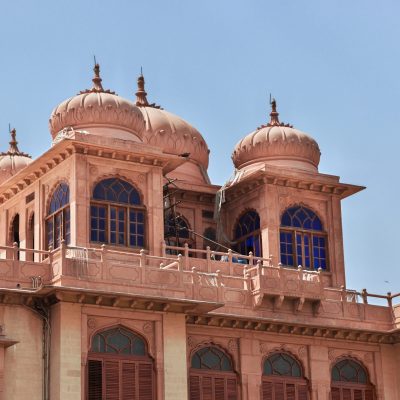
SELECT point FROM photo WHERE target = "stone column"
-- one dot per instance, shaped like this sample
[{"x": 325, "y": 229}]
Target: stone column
[
  {"x": 320, "y": 377},
  {"x": 250, "y": 369},
  {"x": 65, "y": 354},
  {"x": 175, "y": 357}
]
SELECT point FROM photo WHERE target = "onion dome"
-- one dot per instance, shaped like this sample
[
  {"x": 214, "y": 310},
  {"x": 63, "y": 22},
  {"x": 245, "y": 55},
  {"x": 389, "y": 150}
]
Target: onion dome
[
  {"x": 172, "y": 134},
  {"x": 98, "y": 111},
  {"x": 12, "y": 160},
  {"x": 277, "y": 144}
]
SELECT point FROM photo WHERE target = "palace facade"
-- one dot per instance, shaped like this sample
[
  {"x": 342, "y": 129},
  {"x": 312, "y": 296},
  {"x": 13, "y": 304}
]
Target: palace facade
[{"x": 126, "y": 274}]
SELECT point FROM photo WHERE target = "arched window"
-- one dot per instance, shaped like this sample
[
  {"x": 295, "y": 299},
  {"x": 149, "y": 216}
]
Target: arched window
[
  {"x": 30, "y": 237},
  {"x": 247, "y": 234},
  {"x": 119, "y": 367},
  {"x": 58, "y": 217},
  {"x": 177, "y": 232},
  {"x": 283, "y": 379},
  {"x": 210, "y": 236},
  {"x": 302, "y": 239},
  {"x": 117, "y": 215},
  {"x": 212, "y": 376},
  {"x": 350, "y": 381}
]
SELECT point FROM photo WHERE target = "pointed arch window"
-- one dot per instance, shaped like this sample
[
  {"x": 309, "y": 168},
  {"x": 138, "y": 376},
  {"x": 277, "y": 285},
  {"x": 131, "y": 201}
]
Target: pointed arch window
[
  {"x": 58, "y": 226},
  {"x": 211, "y": 375},
  {"x": 303, "y": 240},
  {"x": 350, "y": 381},
  {"x": 117, "y": 215},
  {"x": 119, "y": 367},
  {"x": 283, "y": 378},
  {"x": 248, "y": 235}
]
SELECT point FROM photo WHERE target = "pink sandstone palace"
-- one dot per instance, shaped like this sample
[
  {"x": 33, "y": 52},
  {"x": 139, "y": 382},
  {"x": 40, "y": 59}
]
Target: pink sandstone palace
[{"x": 126, "y": 275}]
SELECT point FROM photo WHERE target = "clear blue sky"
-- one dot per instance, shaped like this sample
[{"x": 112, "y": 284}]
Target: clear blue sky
[{"x": 333, "y": 67}]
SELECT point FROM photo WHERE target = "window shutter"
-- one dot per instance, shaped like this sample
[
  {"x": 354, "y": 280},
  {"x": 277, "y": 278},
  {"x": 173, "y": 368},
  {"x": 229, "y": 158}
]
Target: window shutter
[
  {"x": 290, "y": 391},
  {"x": 194, "y": 388},
  {"x": 279, "y": 391},
  {"x": 219, "y": 389},
  {"x": 267, "y": 390},
  {"x": 231, "y": 386},
  {"x": 206, "y": 388},
  {"x": 335, "y": 393},
  {"x": 358, "y": 394},
  {"x": 145, "y": 381},
  {"x": 95, "y": 377},
  {"x": 128, "y": 381},
  {"x": 302, "y": 391},
  {"x": 346, "y": 394},
  {"x": 111, "y": 380},
  {"x": 369, "y": 394}
]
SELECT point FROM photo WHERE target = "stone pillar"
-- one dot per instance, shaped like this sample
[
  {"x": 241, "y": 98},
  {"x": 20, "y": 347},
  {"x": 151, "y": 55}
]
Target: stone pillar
[
  {"x": 175, "y": 357},
  {"x": 320, "y": 376},
  {"x": 389, "y": 385},
  {"x": 65, "y": 354},
  {"x": 250, "y": 369}
]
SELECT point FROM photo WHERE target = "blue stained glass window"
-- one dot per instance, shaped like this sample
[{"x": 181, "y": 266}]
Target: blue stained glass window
[
  {"x": 211, "y": 358},
  {"x": 247, "y": 234},
  {"x": 118, "y": 225},
  {"x": 310, "y": 243},
  {"x": 60, "y": 198},
  {"x": 282, "y": 364},
  {"x": 117, "y": 191}
]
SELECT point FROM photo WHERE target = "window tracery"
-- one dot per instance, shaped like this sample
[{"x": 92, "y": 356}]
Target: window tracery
[
  {"x": 247, "y": 234},
  {"x": 117, "y": 215},
  {"x": 58, "y": 226},
  {"x": 303, "y": 240}
]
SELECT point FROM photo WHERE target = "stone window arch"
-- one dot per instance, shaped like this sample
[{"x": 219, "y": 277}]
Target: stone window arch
[
  {"x": 350, "y": 380},
  {"x": 117, "y": 214},
  {"x": 57, "y": 222},
  {"x": 303, "y": 240},
  {"x": 119, "y": 366},
  {"x": 283, "y": 378},
  {"x": 247, "y": 234},
  {"x": 211, "y": 375}
]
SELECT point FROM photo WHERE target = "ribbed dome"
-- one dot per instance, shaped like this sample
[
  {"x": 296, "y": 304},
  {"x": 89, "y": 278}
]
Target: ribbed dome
[
  {"x": 13, "y": 160},
  {"x": 97, "y": 107},
  {"x": 278, "y": 144},
  {"x": 170, "y": 132}
]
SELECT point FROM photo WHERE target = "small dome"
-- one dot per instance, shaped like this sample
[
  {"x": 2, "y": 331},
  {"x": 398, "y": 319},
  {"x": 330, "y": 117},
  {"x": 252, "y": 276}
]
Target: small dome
[
  {"x": 13, "y": 160},
  {"x": 98, "y": 109},
  {"x": 277, "y": 144},
  {"x": 170, "y": 132}
]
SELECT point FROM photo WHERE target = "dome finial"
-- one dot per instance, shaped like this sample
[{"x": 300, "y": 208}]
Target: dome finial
[
  {"x": 274, "y": 121},
  {"x": 97, "y": 86},
  {"x": 141, "y": 99},
  {"x": 13, "y": 150}
]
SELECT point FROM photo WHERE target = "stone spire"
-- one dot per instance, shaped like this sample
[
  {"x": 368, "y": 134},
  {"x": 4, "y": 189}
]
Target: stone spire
[
  {"x": 141, "y": 94},
  {"x": 97, "y": 86},
  {"x": 141, "y": 99},
  {"x": 13, "y": 150}
]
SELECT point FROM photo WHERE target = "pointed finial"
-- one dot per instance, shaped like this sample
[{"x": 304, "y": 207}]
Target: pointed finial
[
  {"x": 13, "y": 149},
  {"x": 97, "y": 86},
  {"x": 274, "y": 121},
  {"x": 141, "y": 99}
]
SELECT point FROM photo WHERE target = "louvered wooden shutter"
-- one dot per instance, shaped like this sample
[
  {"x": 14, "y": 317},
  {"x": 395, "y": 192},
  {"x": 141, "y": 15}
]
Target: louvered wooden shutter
[
  {"x": 267, "y": 390},
  {"x": 358, "y": 394},
  {"x": 219, "y": 389},
  {"x": 290, "y": 391},
  {"x": 302, "y": 391},
  {"x": 145, "y": 381},
  {"x": 206, "y": 388},
  {"x": 335, "y": 394},
  {"x": 231, "y": 388},
  {"x": 111, "y": 372},
  {"x": 95, "y": 380},
  {"x": 279, "y": 391},
  {"x": 369, "y": 394},
  {"x": 128, "y": 381},
  {"x": 194, "y": 387},
  {"x": 346, "y": 394}
]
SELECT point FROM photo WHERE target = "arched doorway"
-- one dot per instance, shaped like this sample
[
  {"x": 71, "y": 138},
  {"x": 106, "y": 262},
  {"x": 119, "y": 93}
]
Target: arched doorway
[
  {"x": 211, "y": 375},
  {"x": 350, "y": 381},
  {"x": 283, "y": 378},
  {"x": 119, "y": 367}
]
